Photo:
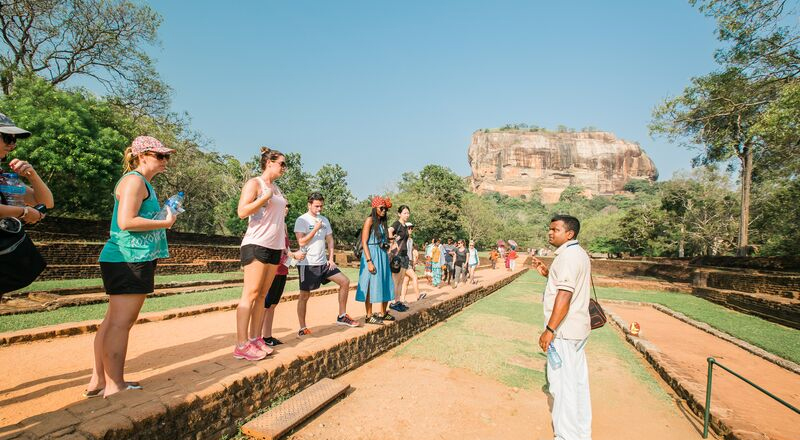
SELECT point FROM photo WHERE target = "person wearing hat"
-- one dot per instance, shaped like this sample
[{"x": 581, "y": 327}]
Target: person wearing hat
[
  {"x": 375, "y": 285},
  {"x": 128, "y": 261},
  {"x": 37, "y": 192}
]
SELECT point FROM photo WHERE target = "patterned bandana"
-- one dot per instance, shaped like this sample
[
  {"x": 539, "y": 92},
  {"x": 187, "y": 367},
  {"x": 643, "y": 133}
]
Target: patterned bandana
[{"x": 379, "y": 201}]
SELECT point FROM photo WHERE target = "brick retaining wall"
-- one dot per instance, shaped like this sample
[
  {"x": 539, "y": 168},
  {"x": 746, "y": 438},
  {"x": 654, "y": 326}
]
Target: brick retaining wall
[{"x": 217, "y": 410}]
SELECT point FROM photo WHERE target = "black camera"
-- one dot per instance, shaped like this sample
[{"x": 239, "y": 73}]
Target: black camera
[{"x": 384, "y": 245}]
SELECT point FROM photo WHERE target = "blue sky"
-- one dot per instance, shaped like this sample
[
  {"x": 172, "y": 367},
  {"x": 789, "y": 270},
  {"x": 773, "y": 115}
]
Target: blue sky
[{"x": 387, "y": 87}]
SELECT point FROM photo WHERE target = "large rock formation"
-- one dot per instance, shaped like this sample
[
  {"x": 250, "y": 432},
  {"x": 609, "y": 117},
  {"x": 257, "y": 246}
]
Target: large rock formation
[{"x": 515, "y": 162}]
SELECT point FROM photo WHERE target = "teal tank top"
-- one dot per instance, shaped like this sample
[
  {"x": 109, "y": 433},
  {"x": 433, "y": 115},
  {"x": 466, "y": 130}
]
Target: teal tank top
[{"x": 136, "y": 247}]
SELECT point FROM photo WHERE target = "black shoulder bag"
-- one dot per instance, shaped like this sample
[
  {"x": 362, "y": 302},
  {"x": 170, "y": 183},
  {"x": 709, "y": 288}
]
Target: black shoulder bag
[
  {"x": 597, "y": 316},
  {"x": 20, "y": 261}
]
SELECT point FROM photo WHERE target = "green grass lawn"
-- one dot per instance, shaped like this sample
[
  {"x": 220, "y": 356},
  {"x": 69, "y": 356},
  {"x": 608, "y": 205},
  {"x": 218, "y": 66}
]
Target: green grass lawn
[
  {"x": 97, "y": 311},
  {"x": 97, "y": 282},
  {"x": 497, "y": 337}
]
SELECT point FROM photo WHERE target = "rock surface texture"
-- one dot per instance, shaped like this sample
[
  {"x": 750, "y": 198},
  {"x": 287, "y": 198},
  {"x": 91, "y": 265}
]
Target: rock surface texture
[{"x": 517, "y": 162}]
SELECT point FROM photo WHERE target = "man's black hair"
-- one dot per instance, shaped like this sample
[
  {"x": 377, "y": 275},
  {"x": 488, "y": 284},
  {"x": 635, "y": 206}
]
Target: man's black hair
[
  {"x": 315, "y": 196},
  {"x": 570, "y": 223}
]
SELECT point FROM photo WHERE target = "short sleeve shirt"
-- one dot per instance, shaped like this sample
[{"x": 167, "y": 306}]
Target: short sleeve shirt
[
  {"x": 316, "y": 249},
  {"x": 571, "y": 271},
  {"x": 401, "y": 235}
]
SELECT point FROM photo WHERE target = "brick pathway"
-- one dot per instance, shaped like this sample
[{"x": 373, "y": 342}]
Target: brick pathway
[{"x": 187, "y": 369}]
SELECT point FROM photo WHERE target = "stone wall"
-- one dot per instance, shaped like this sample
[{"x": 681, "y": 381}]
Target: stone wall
[
  {"x": 217, "y": 412},
  {"x": 781, "y": 264},
  {"x": 662, "y": 269},
  {"x": 70, "y": 229}
]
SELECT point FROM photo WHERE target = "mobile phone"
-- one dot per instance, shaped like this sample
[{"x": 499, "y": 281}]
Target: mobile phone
[{"x": 41, "y": 208}]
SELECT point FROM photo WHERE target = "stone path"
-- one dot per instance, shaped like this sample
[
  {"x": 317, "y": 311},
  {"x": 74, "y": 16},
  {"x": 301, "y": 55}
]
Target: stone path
[
  {"x": 187, "y": 362},
  {"x": 681, "y": 351}
]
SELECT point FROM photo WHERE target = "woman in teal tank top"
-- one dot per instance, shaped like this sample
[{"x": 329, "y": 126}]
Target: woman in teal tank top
[{"x": 128, "y": 261}]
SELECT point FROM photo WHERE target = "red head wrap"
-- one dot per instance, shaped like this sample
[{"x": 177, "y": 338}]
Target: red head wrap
[{"x": 379, "y": 201}]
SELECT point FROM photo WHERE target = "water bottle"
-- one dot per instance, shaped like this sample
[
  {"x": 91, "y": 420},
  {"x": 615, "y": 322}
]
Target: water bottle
[
  {"x": 552, "y": 357},
  {"x": 13, "y": 189},
  {"x": 174, "y": 203}
]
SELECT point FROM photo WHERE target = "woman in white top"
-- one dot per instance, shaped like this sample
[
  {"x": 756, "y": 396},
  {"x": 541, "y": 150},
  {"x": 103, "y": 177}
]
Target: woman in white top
[{"x": 262, "y": 246}]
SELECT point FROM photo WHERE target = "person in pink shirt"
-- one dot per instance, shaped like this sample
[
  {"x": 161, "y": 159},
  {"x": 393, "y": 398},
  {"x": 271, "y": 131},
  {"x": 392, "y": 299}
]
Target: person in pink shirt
[
  {"x": 276, "y": 289},
  {"x": 262, "y": 246}
]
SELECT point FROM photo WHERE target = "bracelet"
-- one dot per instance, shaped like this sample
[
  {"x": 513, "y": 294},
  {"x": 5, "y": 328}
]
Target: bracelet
[
  {"x": 369, "y": 260},
  {"x": 24, "y": 212},
  {"x": 547, "y": 327}
]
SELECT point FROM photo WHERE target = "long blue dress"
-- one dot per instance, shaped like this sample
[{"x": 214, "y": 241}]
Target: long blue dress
[{"x": 379, "y": 285}]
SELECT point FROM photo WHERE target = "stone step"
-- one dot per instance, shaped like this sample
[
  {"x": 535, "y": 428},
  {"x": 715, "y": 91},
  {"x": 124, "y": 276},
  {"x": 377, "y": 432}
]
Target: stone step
[
  {"x": 784, "y": 311},
  {"x": 277, "y": 421}
]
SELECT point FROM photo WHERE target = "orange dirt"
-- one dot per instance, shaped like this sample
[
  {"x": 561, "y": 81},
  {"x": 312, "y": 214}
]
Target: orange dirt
[
  {"x": 399, "y": 397},
  {"x": 686, "y": 349}
]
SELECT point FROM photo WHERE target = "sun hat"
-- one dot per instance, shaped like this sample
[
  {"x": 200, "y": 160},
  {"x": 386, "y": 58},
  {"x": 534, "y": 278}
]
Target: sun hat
[
  {"x": 7, "y": 126},
  {"x": 143, "y": 144}
]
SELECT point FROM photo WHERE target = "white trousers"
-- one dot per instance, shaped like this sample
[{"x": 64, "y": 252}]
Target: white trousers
[{"x": 569, "y": 386}]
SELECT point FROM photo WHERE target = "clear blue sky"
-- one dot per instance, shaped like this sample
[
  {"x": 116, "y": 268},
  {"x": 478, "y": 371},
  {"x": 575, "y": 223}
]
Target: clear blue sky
[{"x": 386, "y": 87}]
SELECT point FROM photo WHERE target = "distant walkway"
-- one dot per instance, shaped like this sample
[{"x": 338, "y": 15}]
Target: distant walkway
[{"x": 683, "y": 351}]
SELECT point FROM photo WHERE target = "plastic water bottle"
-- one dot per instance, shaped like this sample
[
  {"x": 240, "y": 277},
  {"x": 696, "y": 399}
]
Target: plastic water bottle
[
  {"x": 13, "y": 189},
  {"x": 552, "y": 357},
  {"x": 174, "y": 203}
]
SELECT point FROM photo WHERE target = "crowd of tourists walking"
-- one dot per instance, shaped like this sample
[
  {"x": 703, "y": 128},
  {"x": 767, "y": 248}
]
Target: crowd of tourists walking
[{"x": 137, "y": 240}]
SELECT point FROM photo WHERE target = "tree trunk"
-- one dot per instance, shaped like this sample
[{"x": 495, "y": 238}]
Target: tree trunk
[
  {"x": 744, "y": 216},
  {"x": 681, "y": 251}
]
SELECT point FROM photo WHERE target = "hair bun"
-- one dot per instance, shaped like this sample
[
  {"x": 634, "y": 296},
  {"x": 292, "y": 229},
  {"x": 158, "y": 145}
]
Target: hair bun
[{"x": 265, "y": 150}]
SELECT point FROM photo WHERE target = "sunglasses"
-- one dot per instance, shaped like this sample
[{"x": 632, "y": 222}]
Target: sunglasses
[
  {"x": 159, "y": 156},
  {"x": 381, "y": 208},
  {"x": 282, "y": 164},
  {"x": 9, "y": 138}
]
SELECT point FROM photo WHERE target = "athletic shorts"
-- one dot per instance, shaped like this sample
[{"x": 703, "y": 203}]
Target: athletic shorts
[
  {"x": 405, "y": 262},
  {"x": 250, "y": 252},
  {"x": 275, "y": 291},
  {"x": 311, "y": 277},
  {"x": 122, "y": 278}
]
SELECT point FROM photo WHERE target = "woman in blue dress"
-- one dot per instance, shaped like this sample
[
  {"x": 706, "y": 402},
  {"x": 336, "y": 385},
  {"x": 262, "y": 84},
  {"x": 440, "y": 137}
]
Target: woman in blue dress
[{"x": 375, "y": 283}]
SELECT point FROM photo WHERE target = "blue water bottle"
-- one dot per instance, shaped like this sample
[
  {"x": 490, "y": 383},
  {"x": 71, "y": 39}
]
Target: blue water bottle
[
  {"x": 174, "y": 203},
  {"x": 553, "y": 358},
  {"x": 13, "y": 189}
]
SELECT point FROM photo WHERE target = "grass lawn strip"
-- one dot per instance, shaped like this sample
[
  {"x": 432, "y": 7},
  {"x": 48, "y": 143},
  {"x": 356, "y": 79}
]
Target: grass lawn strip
[
  {"x": 97, "y": 311},
  {"x": 497, "y": 337},
  {"x": 38, "y": 286}
]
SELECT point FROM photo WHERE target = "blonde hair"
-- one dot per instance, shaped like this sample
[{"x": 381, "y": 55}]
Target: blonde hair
[
  {"x": 268, "y": 154},
  {"x": 130, "y": 161}
]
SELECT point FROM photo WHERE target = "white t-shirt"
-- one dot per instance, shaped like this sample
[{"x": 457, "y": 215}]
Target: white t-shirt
[{"x": 316, "y": 249}]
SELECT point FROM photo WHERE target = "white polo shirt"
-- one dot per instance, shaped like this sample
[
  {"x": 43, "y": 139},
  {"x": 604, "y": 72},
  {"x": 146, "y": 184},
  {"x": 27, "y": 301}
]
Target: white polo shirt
[{"x": 571, "y": 271}]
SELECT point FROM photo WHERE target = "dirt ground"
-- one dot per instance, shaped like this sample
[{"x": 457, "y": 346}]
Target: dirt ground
[
  {"x": 450, "y": 383},
  {"x": 687, "y": 348}
]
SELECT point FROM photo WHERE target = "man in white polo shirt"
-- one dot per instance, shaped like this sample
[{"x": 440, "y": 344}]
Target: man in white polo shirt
[
  {"x": 315, "y": 235},
  {"x": 567, "y": 327}
]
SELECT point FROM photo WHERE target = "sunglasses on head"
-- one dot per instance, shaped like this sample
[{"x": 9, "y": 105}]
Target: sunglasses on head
[
  {"x": 9, "y": 138},
  {"x": 159, "y": 156}
]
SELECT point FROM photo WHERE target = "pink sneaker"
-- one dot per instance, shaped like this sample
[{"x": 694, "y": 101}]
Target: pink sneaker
[
  {"x": 261, "y": 345},
  {"x": 249, "y": 352}
]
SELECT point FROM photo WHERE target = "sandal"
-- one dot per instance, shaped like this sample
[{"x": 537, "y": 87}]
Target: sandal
[
  {"x": 387, "y": 317},
  {"x": 422, "y": 296},
  {"x": 133, "y": 386},
  {"x": 93, "y": 393}
]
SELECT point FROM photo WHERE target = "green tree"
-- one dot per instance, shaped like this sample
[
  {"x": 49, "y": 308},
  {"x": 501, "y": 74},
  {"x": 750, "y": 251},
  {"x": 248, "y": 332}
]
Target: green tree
[
  {"x": 479, "y": 219},
  {"x": 439, "y": 191},
  {"x": 100, "y": 39},
  {"x": 331, "y": 182},
  {"x": 76, "y": 146},
  {"x": 719, "y": 111}
]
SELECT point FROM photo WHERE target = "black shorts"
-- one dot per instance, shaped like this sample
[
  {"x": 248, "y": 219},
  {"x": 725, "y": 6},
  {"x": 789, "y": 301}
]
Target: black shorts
[
  {"x": 275, "y": 291},
  {"x": 405, "y": 262},
  {"x": 250, "y": 252},
  {"x": 311, "y": 277},
  {"x": 122, "y": 278}
]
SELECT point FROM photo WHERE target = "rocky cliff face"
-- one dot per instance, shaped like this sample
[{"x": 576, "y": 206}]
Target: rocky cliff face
[{"x": 516, "y": 162}]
